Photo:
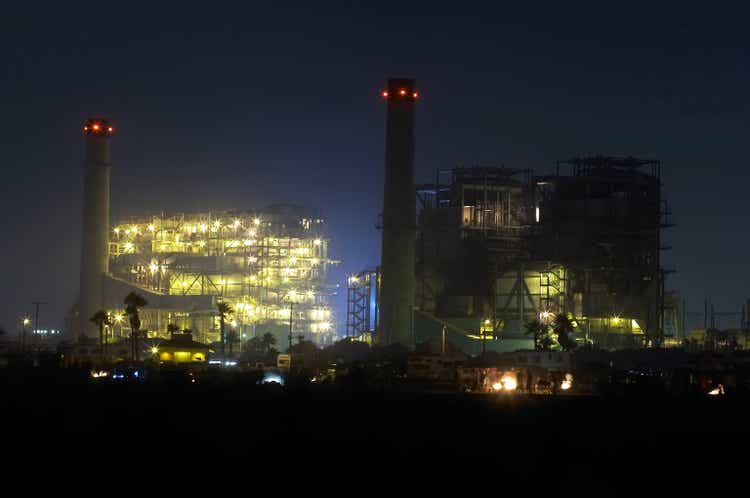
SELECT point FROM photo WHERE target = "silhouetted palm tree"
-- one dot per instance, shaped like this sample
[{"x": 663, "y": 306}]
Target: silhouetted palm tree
[
  {"x": 101, "y": 319},
  {"x": 563, "y": 327},
  {"x": 133, "y": 302},
  {"x": 224, "y": 310}
]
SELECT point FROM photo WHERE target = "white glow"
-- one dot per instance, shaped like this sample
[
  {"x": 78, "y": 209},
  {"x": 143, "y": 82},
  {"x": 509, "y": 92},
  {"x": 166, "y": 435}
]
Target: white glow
[
  {"x": 272, "y": 378},
  {"x": 509, "y": 382},
  {"x": 567, "y": 383}
]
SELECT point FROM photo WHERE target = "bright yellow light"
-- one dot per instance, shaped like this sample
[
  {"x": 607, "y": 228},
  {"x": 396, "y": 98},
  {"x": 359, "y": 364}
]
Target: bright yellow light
[
  {"x": 293, "y": 294},
  {"x": 236, "y": 224},
  {"x": 203, "y": 227},
  {"x": 233, "y": 323},
  {"x": 153, "y": 267},
  {"x": 128, "y": 246},
  {"x": 117, "y": 231},
  {"x": 201, "y": 243},
  {"x": 324, "y": 326},
  {"x": 615, "y": 320},
  {"x": 317, "y": 242},
  {"x": 497, "y": 386},
  {"x": 151, "y": 227},
  {"x": 487, "y": 321},
  {"x": 256, "y": 221},
  {"x": 26, "y": 321},
  {"x": 154, "y": 350},
  {"x": 118, "y": 318}
]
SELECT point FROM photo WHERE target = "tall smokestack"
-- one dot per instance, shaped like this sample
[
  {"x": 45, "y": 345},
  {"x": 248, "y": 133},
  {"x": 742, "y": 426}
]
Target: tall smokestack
[
  {"x": 399, "y": 216},
  {"x": 94, "y": 254}
]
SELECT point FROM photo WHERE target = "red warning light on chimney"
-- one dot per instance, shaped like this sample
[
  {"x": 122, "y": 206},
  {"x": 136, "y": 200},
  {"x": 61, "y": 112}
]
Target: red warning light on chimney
[
  {"x": 99, "y": 127},
  {"x": 399, "y": 94}
]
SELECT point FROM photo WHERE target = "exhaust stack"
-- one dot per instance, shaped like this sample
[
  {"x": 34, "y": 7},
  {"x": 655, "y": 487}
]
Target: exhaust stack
[
  {"x": 399, "y": 216},
  {"x": 94, "y": 252}
]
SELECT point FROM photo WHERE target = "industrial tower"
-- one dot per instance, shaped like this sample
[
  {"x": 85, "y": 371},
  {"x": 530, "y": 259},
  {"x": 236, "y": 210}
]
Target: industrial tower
[
  {"x": 399, "y": 216},
  {"x": 94, "y": 257}
]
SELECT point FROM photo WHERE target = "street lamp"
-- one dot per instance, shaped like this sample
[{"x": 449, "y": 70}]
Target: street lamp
[
  {"x": 118, "y": 320},
  {"x": 25, "y": 323}
]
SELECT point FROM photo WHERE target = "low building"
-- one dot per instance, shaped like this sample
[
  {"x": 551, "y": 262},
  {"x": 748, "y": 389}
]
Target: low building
[{"x": 181, "y": 348}]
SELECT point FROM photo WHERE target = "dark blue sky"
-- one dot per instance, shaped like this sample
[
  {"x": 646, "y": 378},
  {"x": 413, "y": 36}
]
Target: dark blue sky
[{"x": 230, "y": 106}]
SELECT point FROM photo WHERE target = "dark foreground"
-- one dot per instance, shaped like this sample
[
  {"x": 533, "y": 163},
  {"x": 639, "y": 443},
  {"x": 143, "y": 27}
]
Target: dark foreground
[{"x": 235, "y": 434}]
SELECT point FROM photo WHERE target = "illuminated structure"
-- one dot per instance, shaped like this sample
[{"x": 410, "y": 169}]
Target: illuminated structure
[
  {"x": 180, "y": 348},
  {"x": 399, "y": 230},
  {"x": 94, "y": 259},
  {"x": 261, "y": 263},
  {"x": 362, "y": 305}
]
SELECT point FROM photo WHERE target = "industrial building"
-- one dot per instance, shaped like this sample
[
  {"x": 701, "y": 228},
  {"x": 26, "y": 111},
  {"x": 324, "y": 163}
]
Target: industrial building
[
  {"x": 270, "y": 265},
  {"x": 483, "y": 251},
  {"x": 499, "y": 247}
]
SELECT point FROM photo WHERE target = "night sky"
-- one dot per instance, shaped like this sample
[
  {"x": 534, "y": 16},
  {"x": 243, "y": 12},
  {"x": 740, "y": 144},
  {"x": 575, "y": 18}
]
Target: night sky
[{"x": 241, "y": 106}]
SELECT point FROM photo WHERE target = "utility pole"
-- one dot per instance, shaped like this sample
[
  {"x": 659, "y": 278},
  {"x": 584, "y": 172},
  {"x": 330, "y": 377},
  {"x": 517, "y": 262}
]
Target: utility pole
[
  {"x": 442, "y": 342},
  {"x": 36, "y": 320},
  {"x": 291, "y": 308}
]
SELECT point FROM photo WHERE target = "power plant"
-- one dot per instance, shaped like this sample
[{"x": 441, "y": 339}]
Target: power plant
[
  {"x": 483, "y": 251},
  {"x": 269, "y": 265},
  {"x": 478, "y": 254}
]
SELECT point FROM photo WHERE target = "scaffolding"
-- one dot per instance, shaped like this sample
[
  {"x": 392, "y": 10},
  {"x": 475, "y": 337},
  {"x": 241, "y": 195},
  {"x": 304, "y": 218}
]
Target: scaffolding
[
  {"x": 504, "y": 245},
  {"x": 363, "y": 292},
  {"x": 479, "y": 216},
  {"x": 602, "y": 218}
]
